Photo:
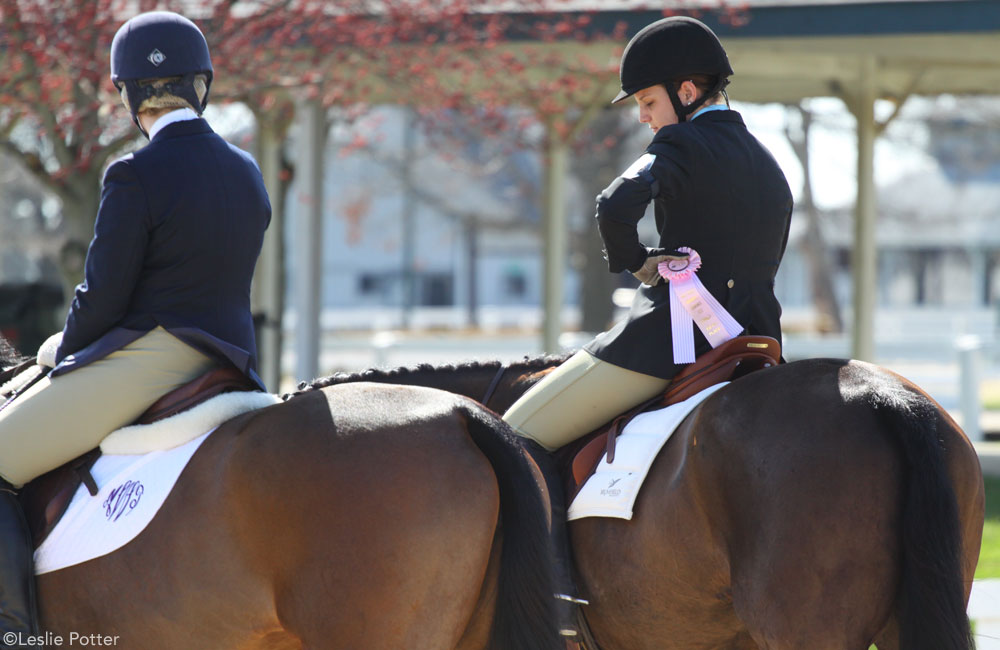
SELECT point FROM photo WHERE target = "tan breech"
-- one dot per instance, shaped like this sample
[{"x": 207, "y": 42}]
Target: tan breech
[
  {"x": 577, "y": 397},
  {"x": 60, "y": 418}
]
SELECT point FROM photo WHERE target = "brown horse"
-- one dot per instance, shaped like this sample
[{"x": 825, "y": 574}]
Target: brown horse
[
  {"x": 356, "y": 517},
  {"x": 819, "y": 504}
]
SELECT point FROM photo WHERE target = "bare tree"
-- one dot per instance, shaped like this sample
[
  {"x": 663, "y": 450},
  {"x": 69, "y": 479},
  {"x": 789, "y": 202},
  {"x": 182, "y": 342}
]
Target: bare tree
[
  {"x": 600, "y": 151},
  {"x": 813, "y": 247}
]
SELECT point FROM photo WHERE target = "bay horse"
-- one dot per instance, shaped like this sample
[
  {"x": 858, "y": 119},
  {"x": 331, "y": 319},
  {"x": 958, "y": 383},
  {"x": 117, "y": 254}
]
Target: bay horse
[
  {"x": 356, "y": 517},
  {"x": 820, "y": 504}
]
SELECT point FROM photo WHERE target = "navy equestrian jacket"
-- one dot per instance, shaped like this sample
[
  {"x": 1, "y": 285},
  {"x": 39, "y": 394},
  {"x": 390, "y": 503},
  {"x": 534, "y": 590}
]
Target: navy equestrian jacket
[
  {"x": 715, "y": 188},
  {"x": 177, "y": 237}
]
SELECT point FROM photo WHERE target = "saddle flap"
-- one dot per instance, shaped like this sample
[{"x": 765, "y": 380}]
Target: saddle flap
[
  {"x": 585, "y": 460},
  {"x": 208, "y": 385},
  {"x": 45, "y": 499}
]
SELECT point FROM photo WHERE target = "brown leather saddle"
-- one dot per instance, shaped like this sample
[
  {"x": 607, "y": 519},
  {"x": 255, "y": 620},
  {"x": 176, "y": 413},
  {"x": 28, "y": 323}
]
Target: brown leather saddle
[
  {"x": 46, "y": 498},
  {"x": 731, "y": 360}
]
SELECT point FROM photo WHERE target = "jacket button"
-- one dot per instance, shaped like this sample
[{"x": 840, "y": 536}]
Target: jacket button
[{"x": 730, "y": 284}]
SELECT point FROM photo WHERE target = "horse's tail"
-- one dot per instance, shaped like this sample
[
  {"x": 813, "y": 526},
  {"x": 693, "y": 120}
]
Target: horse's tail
[
  {"x": 931, "y": 606},
  {"x": 525, "y": 612}
]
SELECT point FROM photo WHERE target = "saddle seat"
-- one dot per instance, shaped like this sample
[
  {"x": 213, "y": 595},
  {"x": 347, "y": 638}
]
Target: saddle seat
[
  {"x": 731, "y": 360},
  {"x": 46, "y": 498}
]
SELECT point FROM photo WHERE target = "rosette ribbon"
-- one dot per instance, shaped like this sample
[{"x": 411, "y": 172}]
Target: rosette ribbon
[{"x": 692, "y": 304}]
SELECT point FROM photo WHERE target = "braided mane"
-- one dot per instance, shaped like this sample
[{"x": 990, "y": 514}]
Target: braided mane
[
  {"x": 11, "y": 361},
  {"x": 8, "y": 355},
  {"x": 401, "y": 374}
]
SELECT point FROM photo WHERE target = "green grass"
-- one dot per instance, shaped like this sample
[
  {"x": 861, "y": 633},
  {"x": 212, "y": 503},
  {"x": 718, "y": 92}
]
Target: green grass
[
  {"x": 989, "y": 556},
  {"x": 989, "y": 393}
]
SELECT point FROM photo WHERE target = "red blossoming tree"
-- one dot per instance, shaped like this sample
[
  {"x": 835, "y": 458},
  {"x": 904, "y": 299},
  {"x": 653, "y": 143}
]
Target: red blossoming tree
[{"x": 61, "y": 118}]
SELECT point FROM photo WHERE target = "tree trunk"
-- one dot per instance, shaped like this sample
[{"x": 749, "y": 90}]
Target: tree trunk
[
  {"x": 79, "y": 211},
  {"x": 813, "y": 246},
  {"x": 596, "y": 168}
]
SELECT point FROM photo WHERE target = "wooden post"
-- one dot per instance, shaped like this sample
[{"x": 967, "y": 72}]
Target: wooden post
[
  {"x": 863, "y": 257},
  {"x": 555, "y": 240},
  {"x": 269, "y": 278},
  {"x": 308, "y": 236}
]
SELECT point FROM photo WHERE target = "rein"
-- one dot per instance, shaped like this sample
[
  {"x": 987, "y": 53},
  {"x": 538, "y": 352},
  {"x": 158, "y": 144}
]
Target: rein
[
  {"x": 493, "y": 384},
  {"x": 11, "y": 373}
]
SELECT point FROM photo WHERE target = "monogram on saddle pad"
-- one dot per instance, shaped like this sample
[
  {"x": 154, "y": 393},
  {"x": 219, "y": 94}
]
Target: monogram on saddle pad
[
  {"x": 46, "y": 498},
  {"x": 731, "y": 360}
]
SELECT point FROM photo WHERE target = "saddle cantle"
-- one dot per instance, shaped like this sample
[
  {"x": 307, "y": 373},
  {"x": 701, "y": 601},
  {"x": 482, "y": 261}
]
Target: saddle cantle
[
  {"x": 731, "y": 360},
  {"x": 46, "y": 498}
]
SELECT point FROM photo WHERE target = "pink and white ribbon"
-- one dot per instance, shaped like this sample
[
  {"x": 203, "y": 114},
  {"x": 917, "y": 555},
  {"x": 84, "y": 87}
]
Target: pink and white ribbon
[{"x": 690, "y": 302}]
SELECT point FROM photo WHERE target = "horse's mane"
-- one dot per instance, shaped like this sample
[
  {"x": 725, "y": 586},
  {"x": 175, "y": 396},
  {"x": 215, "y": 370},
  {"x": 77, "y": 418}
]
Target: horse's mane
[
  {"x": 10, "y": 361},
  {"x": 399, "y": 375},
  {"x": 9, "y": 356}
]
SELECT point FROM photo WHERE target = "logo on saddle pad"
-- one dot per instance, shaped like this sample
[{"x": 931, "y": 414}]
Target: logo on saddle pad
[
  {"x": 122, "y": 500},
  {"x": 609, "y": 492}
]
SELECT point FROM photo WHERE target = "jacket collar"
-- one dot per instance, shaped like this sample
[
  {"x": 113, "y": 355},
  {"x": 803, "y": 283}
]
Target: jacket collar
[
  {"x": 179, "y": 129},
  {"x": 719, "y": 116},
  {"x": 711, "y": 117}
]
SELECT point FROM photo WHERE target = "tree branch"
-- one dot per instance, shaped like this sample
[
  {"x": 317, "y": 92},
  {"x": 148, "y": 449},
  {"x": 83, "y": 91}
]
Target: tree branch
[{"x": 112, "y": 148}]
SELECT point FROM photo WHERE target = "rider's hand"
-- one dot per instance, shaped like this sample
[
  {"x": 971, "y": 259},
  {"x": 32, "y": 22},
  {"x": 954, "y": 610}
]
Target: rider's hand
[{"x": 649, "y": 274}]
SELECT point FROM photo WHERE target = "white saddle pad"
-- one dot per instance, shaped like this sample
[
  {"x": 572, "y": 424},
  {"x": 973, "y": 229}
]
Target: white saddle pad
[
  {"x": 612, "y": 489},
  {"x": 135, "y": 474},
  {"x": 132, "y": 489}
]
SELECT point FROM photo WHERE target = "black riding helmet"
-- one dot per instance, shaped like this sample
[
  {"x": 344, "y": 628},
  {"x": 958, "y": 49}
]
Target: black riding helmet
[
  {"x": 155, "y": 45},
  {"x": 668, "y": 50}
]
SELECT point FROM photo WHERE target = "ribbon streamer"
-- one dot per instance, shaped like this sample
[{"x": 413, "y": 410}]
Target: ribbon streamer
[{"x": 692, "y": 304}]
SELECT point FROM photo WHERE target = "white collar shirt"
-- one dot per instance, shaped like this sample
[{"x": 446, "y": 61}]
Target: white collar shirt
[{"x": 180, "y": 115}]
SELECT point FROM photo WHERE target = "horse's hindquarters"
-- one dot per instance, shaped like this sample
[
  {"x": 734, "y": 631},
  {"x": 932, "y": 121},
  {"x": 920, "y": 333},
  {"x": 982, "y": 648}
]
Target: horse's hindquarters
[
  {"x": 372, "y": 516},
  {"x": 353, "y": 526},
  {"x": 771, "y": 519}
]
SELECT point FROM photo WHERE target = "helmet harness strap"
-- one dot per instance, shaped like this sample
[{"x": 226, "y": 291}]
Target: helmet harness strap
[
  {"x": 183, "y": 88},
  {"x": 683, "y": 111}
]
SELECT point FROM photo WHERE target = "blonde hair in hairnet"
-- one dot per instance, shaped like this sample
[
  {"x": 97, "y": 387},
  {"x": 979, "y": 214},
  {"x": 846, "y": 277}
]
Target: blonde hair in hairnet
[{"x": 168, "y": 101}]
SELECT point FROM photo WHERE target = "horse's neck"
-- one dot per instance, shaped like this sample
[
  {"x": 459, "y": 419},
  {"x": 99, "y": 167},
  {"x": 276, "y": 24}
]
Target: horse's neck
[
  {"x": 471, "y": 382},
  {"x": 496, "y": 387},
  {"x": 501, "y": 387}
]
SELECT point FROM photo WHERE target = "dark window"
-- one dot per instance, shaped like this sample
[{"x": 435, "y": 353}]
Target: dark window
[
  {"x": 437, "y": 290},
  {"x": 515, "y": 284},
  {"x": 372, "y": 284}
]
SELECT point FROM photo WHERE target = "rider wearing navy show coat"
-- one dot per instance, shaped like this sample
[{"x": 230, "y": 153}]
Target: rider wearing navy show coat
[
  {"x": 717, "y": 192},
  {"x": 175, "y": 245},
  {"x": 700, "y": 180},
  {"x": 166, "y": 291}
]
